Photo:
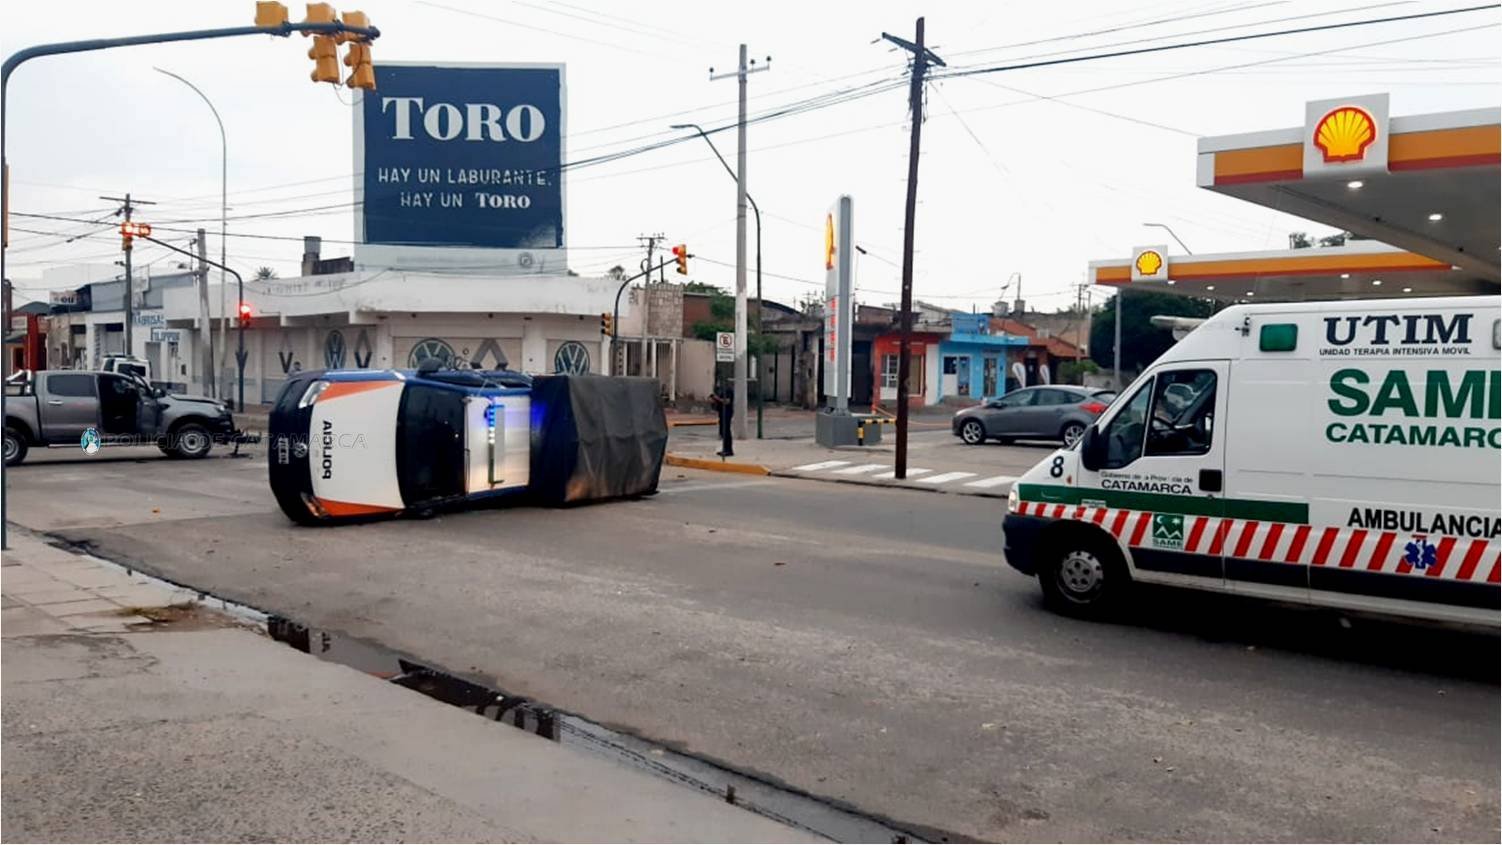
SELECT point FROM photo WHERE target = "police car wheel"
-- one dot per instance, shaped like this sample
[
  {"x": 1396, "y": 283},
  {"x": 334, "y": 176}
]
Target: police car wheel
[
  {"x": 973, "y": 432},
  {"x": 1082, "y": 577}
]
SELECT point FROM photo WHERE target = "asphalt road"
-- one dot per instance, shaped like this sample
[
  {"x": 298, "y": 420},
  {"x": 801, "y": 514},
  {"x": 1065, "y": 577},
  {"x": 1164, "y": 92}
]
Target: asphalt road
[{"x": 864, "y": 644}]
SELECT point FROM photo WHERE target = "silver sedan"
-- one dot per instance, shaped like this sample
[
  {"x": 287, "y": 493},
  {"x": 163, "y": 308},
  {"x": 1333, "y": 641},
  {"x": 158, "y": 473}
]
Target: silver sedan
[{"x": 1047, "y": 412}]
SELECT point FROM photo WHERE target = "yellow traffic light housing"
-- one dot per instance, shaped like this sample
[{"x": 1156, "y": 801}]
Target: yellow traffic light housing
[
  {"x": 270, "y": 14},
  {"x": 325, "y": 56},
  {"x": 607, "y": 324},
  {"x": 320, "y": 13},
  {"x": 362, "y": 75},
  {"x": 356, "y": 19},
  {"x": 680, "y": 254}
]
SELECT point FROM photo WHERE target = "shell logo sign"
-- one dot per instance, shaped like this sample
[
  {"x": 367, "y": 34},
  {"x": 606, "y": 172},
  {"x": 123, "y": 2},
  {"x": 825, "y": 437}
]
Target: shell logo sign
[
  {"x": 829, "y": 242},
  {"x": 1345, "y": 133},
  {"x": 1149, "y": 263}
]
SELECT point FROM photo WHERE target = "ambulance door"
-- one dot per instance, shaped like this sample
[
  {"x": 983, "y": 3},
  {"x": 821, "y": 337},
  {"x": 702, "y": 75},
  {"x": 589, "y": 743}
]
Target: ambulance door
[{"x": 1162, "y": 473}]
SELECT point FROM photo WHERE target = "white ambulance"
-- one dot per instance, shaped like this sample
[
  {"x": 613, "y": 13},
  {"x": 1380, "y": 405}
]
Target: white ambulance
[{"x": 1343, "y": 454}]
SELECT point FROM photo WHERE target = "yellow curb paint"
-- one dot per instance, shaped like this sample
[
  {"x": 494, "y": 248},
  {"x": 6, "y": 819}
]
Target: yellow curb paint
[{"x": 716, "y": 466}]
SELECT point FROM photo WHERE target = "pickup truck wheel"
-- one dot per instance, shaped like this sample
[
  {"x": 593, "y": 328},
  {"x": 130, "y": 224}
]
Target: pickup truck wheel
[
  {"x": 192, "y": 441},
  {"x": 15, "y": 447},
  {"x": 1082, "y": 575}
]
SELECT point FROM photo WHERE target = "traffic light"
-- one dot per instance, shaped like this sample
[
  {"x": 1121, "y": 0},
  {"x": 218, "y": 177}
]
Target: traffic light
[
  {"x": 325, "y": 56},
  {"x": 270, "y": 14},
  {"x": 355, "y": 19},
  {"x": 244, "y": 313},
  {"x": 325, "y": 49},
  {"x": 129, "y": 231},
  {"x": 680, "y": 254},
  {"x": 607, "y": 324},
  {"x": 358, "y": 60}
]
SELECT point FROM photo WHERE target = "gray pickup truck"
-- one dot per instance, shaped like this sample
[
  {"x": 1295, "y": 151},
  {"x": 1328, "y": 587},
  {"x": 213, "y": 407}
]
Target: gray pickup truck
[{"x": 56, "y": 407}]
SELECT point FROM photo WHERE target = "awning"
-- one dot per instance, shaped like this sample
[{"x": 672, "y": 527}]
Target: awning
[
  {"x": 1359, "y": 270},
  {"x": 1426, "y": 183}
]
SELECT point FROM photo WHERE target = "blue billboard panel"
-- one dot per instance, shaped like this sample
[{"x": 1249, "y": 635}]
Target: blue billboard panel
[{"x": 462, "y": 156}]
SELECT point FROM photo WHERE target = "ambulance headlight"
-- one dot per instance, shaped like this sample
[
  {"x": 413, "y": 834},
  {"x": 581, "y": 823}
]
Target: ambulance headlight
[
  {"x": 311, "y": 395},
  {"x": 1013, "y": 500}
]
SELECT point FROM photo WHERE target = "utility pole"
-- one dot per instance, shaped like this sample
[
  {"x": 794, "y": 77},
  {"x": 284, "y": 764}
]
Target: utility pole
[
  {"x": 1116, "y": 377},
  {"x": 743, "y": 70},
  {"x": 922, "y": 58},
  {"x": 129, "y": 206},
  {"x": 646, "y": 298},
  {"x": 205, "y": 324}
]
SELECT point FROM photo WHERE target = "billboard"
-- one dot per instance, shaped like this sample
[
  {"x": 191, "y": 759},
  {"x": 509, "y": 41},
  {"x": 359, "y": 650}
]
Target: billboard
[{"x": 461, "y": 165}]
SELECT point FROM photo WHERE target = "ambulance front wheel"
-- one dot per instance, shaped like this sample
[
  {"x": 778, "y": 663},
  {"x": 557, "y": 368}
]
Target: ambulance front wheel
[{"x": 1083, "y": 575}]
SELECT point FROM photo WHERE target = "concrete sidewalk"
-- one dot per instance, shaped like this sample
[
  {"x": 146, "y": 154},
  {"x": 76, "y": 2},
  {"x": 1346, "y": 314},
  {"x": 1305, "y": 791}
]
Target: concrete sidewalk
[{"x": 131, "y": 716}]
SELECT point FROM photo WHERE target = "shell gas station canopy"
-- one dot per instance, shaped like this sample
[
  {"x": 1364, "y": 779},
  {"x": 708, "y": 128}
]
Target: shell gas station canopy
[{"x": 1420, "y": 192}]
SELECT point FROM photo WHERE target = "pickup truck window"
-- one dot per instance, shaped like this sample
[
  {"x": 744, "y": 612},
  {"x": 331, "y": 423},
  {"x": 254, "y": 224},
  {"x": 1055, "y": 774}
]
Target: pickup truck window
[{"x": 70, "y": 384}]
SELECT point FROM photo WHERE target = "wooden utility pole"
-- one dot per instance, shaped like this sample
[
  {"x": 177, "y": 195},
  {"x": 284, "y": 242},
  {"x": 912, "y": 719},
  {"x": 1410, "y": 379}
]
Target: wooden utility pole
[
  {"x": 922, "y": 58},
  {"x": 125, "y": 245}
]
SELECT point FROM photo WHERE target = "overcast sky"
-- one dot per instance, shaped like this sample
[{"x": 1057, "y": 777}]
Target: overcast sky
[{"x": 1033, "y": 172}]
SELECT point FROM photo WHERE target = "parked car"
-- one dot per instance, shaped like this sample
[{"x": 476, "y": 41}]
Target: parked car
[
  {"x": 57, "y": 407},
  {"x": 1047, "y": 412}
]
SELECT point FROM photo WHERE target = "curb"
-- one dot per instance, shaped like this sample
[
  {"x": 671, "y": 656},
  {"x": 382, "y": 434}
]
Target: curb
[
  {"x": 716, "y": 466},
  {"x": 672, "y": 423}
]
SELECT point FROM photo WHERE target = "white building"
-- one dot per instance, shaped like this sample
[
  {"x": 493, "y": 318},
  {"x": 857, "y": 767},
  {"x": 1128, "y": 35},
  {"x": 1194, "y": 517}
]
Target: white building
[{"x": 379, "y": 319}]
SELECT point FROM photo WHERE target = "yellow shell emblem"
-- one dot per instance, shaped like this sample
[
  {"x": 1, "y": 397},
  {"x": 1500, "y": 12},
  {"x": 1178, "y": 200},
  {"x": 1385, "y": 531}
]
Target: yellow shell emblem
[
  {"x": 1345, "y": 133},
  {"x": 1149, "y": 262},
  {"x": 829, "y": 242}
]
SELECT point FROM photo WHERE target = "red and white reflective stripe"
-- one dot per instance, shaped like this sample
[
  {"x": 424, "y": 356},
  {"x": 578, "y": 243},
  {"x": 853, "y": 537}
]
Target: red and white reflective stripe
[{"x": 1476, "y": 560}]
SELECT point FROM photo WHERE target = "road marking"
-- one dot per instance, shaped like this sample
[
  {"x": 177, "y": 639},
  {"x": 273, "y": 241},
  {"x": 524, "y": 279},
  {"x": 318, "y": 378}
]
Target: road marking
[
  {"x": 945, "y": 477},
  {"x": 860, "y": 470},
  {"x": 820, "y": 465},
  {"x": 994, "y": 481},
  {"x": 911, "y": 471}
]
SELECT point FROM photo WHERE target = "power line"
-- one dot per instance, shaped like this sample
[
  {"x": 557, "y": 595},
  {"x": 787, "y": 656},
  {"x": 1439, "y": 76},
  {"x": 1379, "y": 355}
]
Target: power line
[{"x": 1213, "y": 41}]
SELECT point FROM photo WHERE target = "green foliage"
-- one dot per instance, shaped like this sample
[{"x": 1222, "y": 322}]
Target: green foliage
[
  {"x": 1141, "y": 341},
  {"x": 722, "y": 319},
  {"x": 1072, "y": 372}
]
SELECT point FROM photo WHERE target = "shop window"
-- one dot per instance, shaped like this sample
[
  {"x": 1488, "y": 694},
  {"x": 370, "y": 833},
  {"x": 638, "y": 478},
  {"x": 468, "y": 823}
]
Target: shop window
[{"x": 889, "y": 371}]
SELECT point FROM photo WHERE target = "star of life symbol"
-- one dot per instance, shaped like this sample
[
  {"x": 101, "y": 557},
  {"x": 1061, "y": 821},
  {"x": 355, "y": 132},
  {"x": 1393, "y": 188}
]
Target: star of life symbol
[{"x": 1420, "y": 553}]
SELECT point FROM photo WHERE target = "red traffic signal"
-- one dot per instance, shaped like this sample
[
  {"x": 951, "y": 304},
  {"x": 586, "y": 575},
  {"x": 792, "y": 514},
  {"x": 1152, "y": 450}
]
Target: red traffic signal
[
  {"x": 244, "y": 313},
  {"x": 680, "y": 254},
  {"x": 135, "y": 230}
]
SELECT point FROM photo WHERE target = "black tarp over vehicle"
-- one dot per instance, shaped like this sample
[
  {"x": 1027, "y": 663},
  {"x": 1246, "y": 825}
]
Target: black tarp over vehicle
[{"x": 595, "y": 437}]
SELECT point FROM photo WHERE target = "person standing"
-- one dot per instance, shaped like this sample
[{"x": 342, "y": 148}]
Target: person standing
[{"x": 724, "y": 403}]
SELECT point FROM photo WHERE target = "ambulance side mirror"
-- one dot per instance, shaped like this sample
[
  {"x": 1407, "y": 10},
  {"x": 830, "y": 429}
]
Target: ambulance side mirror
[{"x": 1092, "y": 449}]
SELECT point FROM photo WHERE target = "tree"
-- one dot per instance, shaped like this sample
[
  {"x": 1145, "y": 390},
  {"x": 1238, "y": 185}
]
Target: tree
[
  {"x": 265, "y": 273},
  {"x": 617, "y": 272},
  {"x": 1141, "y": 341},
  {"x": 722, "y": 319}
]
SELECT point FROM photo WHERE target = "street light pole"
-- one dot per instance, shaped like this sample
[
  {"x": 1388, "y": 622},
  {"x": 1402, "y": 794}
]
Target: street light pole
[
  {"x": 760, "y": 388},
  {"x": 210, "y": 378},
  {"x": 1164, "y": 227}
]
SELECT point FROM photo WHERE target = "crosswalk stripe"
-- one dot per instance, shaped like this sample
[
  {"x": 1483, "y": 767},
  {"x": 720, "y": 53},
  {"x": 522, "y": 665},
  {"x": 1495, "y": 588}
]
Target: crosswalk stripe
[
  {"x": 911, "y": 471},
  {"x": 945, "y": 477},
  {"x": 820, "y": 465},
  {"x": 994, "y": 481},
  {"x": 859, "y": 470}
]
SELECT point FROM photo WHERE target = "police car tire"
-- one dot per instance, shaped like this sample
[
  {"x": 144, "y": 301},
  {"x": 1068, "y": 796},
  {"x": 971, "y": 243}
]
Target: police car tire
[
  {"x": 15, "y": 447},
  {"x": 1075, "y": 550}
]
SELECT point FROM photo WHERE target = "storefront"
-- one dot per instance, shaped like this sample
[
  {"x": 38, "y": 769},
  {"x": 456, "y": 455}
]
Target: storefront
[{"x": 388, "y": 319}]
